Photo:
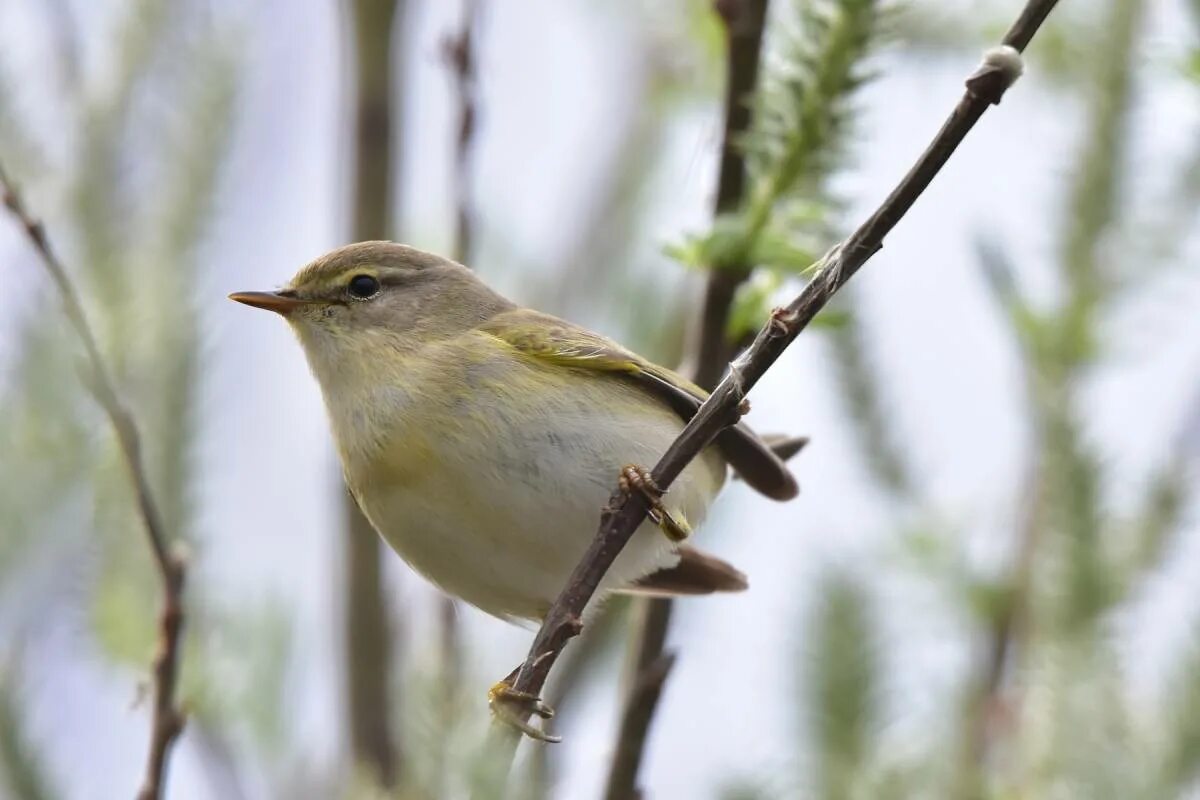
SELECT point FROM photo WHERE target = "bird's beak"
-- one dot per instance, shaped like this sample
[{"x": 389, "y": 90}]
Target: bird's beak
[{"x": 279, "y": 302}]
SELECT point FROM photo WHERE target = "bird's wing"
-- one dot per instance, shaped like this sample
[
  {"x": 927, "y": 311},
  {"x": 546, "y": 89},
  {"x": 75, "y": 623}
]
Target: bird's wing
[{"x": 556, "y": 341}]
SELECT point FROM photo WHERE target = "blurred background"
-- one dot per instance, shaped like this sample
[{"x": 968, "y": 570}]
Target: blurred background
[{"x": 989, "y": 585}]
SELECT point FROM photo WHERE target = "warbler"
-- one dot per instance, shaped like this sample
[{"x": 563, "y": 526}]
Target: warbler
[{"x": 482, "y": 439}]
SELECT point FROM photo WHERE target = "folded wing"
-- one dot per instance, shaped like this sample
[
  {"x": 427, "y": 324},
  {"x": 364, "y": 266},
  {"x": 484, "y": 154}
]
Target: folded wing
[{"x": 542, "y": 336}]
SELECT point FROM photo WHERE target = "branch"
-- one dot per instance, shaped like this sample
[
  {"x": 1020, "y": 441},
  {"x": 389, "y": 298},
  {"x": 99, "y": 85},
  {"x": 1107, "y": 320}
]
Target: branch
[
  {"x": 623, "y": 513},
  {"x": 1006, "y": 632},
  {"x": 640, "y": 705},
  {"x": 458, "y": 51},
  {"x": 459, "y": 54},
  {"x": 743, "y": 23},
  {"x": 370, "y": 637},
  {"x": 168, "y": 719},
  {"x": 576, "y": 665}
]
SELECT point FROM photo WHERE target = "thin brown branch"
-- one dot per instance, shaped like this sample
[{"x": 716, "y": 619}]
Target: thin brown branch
[
  {"x": 743, "y": 22},
  {"x": 167, "y": 718},
  {"x": 458, "y": 51},
  {"x": 369, "y": 640},
  {"x": 603, "y": 631},
  {"x": 1005, "y": 635},
  {"x": 624, "y": 513},
  {"x": 635, "y": 724}
]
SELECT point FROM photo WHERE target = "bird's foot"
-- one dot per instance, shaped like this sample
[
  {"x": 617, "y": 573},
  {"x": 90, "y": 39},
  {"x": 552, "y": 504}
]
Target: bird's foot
[
  {"x": 638, "y": 479},
  {"x": 513, "y": 707}
]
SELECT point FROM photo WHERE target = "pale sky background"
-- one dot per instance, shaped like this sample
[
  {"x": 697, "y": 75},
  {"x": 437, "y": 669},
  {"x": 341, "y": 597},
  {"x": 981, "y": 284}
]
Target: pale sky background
[{"x": 552, "y": 75}]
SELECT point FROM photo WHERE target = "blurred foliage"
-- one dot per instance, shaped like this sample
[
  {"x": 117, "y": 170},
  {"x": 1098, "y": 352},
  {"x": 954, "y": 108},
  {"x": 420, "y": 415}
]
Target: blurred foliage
[
  {"x": 21, "y": 769},
  {"x": 137, "y": 165},
  {"x": 605, "y": 265},
  {"x": 858, "y": 392},
  {"x": 812, "y": 67},
  {"x": 1056, "y": 715},
  {"x": 842, "y": 687}
]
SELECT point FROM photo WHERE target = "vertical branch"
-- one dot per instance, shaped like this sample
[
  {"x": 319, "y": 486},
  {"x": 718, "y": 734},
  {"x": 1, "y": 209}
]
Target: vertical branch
[
  {"x": 742, "y": 22},
  {"x": 369, "y": 640},
  {"x": 606, "y": 626},
  {"x": 1005, "y": 635},
  {"x": 167, "y": 719},
  {"x": 458, "y": 51},
  {"x": 650, "y": 666}
]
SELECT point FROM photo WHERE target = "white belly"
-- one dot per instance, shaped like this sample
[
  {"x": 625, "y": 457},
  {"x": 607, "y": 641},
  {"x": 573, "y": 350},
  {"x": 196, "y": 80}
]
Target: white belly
[{"x": 502, "y": 527}]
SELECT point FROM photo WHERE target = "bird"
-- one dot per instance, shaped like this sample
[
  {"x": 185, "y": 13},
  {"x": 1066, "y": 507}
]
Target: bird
[{"x": 481, "y": 439}]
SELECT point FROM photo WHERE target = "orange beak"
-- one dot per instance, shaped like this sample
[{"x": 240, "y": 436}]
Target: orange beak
[{"x": 278, "y": 302}]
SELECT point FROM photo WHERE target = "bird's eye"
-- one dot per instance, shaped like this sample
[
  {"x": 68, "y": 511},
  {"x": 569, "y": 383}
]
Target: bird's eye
[{"x": 364, "y": 287}]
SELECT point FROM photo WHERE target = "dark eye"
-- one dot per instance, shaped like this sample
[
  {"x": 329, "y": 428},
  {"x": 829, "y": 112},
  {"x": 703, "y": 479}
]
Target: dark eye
[{"x": 364, "y": 286}]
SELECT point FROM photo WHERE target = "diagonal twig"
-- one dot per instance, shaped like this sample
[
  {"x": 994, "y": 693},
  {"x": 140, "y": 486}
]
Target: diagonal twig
[
  {"x": 167, "y": 717},
  {"x": 623, "y": 513}
]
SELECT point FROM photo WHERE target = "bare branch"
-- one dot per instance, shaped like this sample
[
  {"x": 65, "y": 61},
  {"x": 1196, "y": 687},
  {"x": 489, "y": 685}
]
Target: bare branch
[
  {"x": 743, "y": 23},
  {"x": 370, "y": 650},
  {"x": 458, "y": 51},
  {"x": 167, "y": 718},
  {"x": 640, "y": 705},
  {"x": 621, "y": 517}
]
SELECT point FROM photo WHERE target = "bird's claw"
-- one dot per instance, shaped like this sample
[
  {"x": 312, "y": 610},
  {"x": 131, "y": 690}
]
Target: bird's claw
[
  {"x": 638, "y": 479},
  {"x": 512, "y": 707}
]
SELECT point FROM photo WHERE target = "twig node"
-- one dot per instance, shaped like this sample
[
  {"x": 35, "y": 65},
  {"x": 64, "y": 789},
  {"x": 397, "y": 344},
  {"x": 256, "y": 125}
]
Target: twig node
[{"x": 1000, "y": 68}]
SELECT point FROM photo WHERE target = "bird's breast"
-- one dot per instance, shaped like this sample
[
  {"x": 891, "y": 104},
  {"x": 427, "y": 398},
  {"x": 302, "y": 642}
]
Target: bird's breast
[{"x": 490, "y": 479}]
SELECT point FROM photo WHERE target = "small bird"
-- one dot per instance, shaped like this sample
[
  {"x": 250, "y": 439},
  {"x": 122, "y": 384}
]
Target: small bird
[{"x": 482, "y": 439}]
